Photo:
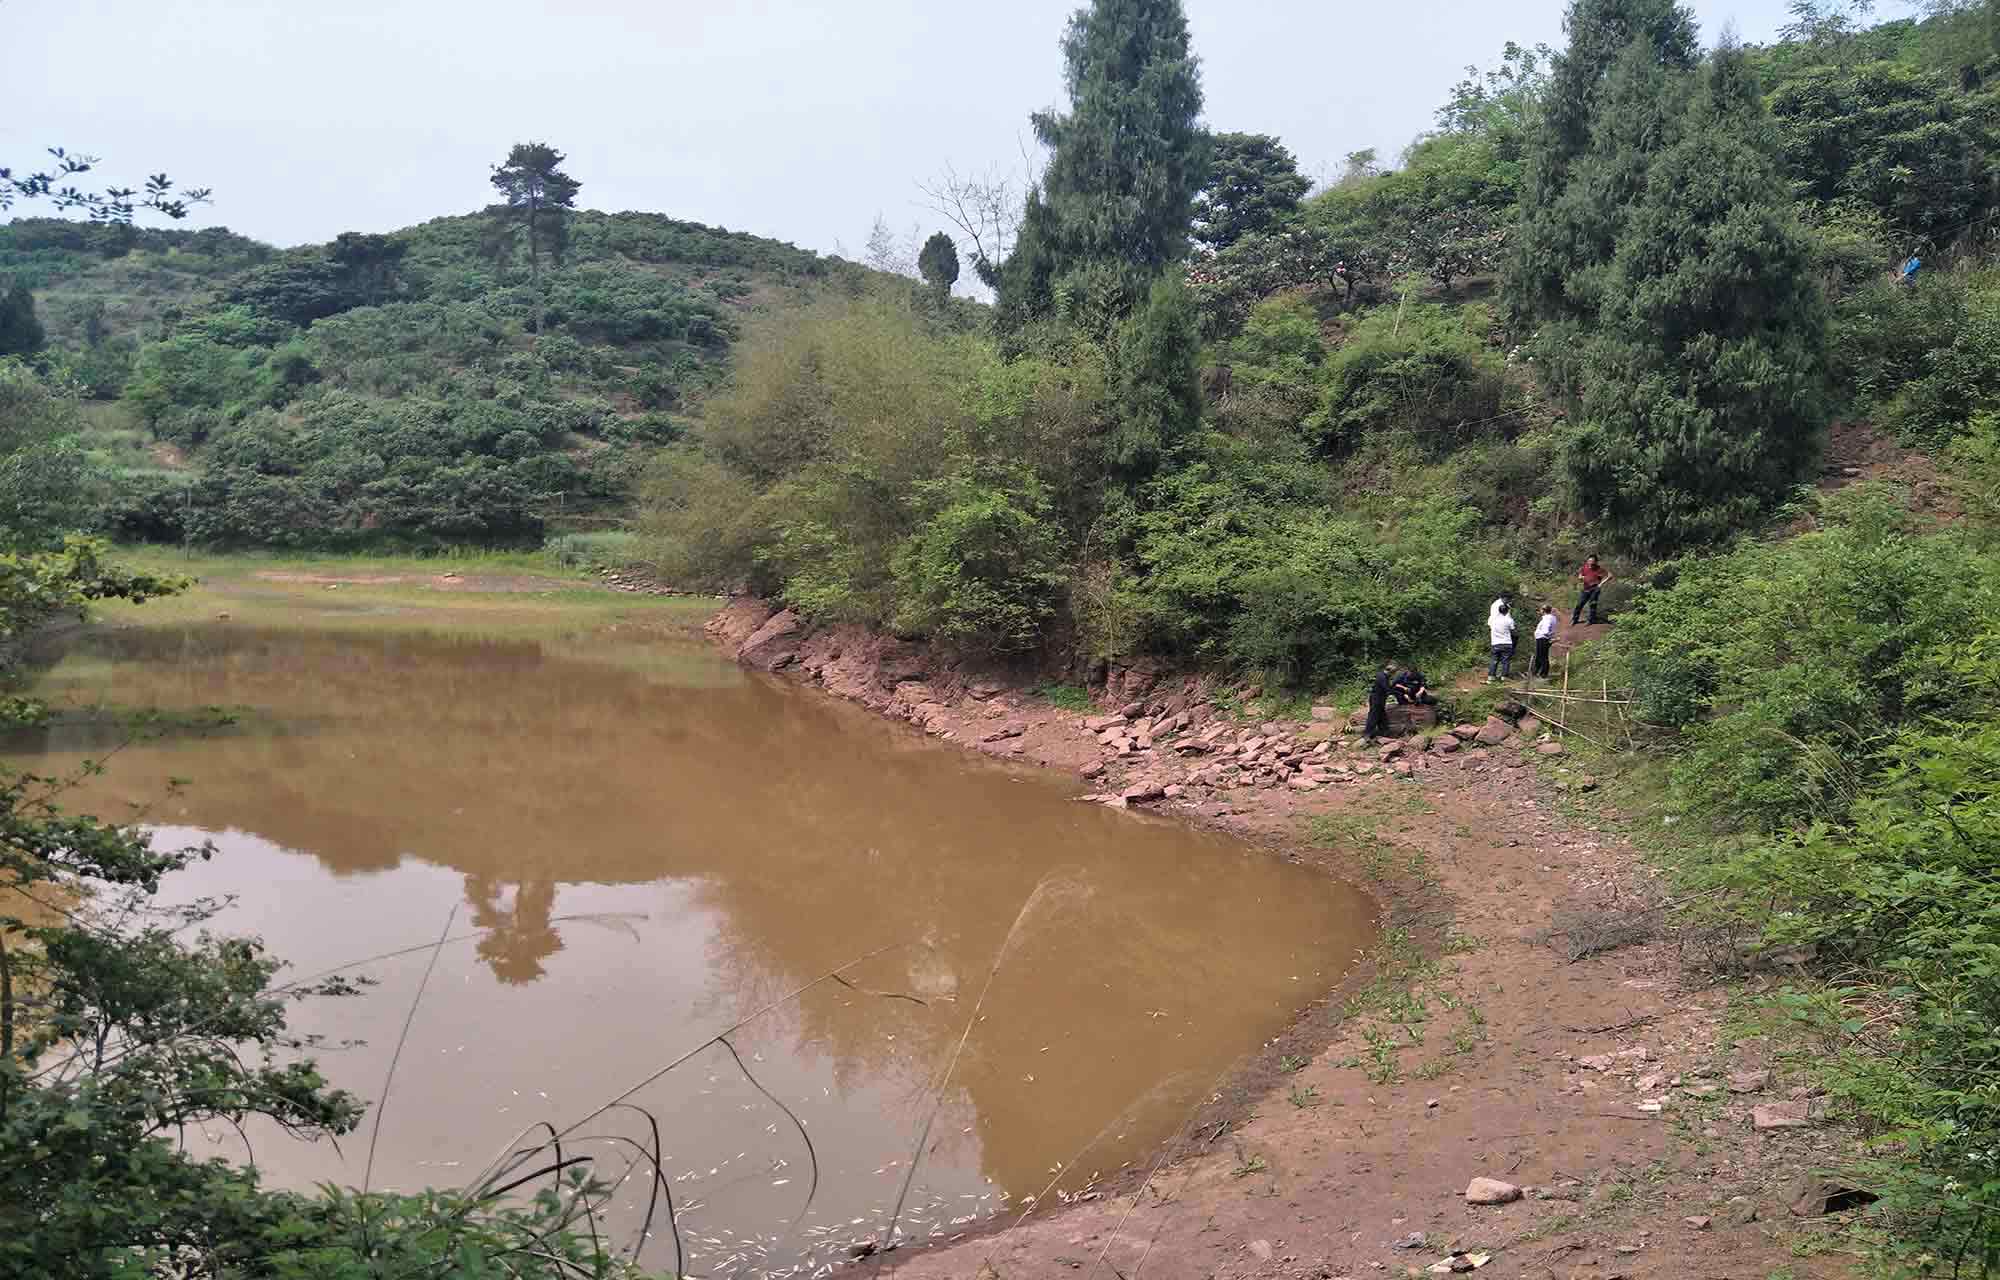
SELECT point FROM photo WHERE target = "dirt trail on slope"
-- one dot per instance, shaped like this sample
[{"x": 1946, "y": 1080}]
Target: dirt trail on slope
[{"x": 1527, "y": 1025}]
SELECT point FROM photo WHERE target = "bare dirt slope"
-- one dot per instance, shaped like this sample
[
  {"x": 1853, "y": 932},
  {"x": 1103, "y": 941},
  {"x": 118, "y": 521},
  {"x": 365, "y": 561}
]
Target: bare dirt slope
[{"x": 1524, "y": 1022}]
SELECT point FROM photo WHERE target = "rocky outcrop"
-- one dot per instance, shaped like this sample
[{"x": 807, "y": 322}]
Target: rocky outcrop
[{"x": 1403, "y": 721}]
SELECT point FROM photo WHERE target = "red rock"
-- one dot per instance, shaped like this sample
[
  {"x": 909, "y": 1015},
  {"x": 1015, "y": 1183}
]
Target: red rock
[
  {"x": 1146, "y": 789},
  {"x": 1092, "y": 770}
]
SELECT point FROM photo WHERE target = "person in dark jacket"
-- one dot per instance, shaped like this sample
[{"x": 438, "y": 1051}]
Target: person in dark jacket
[
  {"x": 1411, "y": 686},
  {"x": 1378, "y": 706}
]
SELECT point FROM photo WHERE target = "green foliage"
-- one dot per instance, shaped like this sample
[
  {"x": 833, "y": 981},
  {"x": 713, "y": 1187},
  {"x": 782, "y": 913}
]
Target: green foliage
[
  {"x": 983, "y": 571},
  {"x": 1242, "y": 560},
  {"x": 1117, "y": 196},
  {"x": 1681, "y": 320},
  {"x": 1868, "y": 618},
  {"x": 1159, "y": 386},
  {"x": 937, "y": 262},
  {"x": 1423, "y": 369},
  {"x": 1907, "y": 143},
  {"x": 1253, "y": 187},
  {"x": 1837, "y": 692},
  {"x": 118, "y": 205},
  {"x": 21, "y": 331},
  {"x": 1443, "y": 215},
  {"x": 1312, "y": 253},
  {"x": 1958, "y": 373},
  {"x": 48, "y": 487}
]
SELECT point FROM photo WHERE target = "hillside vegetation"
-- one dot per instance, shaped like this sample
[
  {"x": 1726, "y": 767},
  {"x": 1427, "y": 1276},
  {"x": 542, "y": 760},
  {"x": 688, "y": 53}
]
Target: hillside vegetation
[{"x": 416, "y": 389}]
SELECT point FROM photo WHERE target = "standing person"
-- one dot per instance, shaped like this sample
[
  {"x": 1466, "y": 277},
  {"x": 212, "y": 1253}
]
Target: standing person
[
  {"x": 1501, "y": 604},
  {"x": 1378, "y": 706},
  {"x": 1500, "y": 625},
  {"x": 1593, "y": 577},
  {"x": 1545, "y": 635},
  {"x": 1908, "y": 275}
]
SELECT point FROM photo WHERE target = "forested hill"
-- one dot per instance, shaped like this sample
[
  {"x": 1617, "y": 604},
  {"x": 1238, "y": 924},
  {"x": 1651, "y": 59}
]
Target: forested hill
[{"x": 415, "y": 388}]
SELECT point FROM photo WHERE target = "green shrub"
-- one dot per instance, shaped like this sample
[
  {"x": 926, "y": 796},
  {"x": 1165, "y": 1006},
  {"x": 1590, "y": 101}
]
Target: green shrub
[
  {"x": 983, "y": 572},
  {"x": 1899, "y": 910},
  {"x": 1959, "y": 377},
  {"x": 1422, "y": 368},
  {"x": 1787, "y": 666},
  {"x": 1882, "y": 335},
  {"x": 1240, "y": 560}
]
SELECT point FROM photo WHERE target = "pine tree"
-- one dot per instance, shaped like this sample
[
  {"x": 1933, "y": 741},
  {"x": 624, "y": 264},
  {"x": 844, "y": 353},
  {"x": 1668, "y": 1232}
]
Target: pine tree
[
  {"x": 1697, "y": 373},
  {"x": 539, "y": 198},
  {"x": 1253, "y": 185},
  {"x": 20, "y": 329},
  {"x": 1125, "y": 163}
]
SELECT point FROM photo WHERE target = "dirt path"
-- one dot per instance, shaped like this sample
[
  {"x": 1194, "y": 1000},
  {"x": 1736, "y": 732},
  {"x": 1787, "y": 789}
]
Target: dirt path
[{"x": 1521, "y": 1025}]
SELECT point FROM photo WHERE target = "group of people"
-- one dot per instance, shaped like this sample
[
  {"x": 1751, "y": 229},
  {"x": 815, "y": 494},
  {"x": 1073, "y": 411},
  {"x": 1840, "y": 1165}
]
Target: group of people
[
  {"x": 1412, "y": 686},
  {"x": 1501, "y": 626}
]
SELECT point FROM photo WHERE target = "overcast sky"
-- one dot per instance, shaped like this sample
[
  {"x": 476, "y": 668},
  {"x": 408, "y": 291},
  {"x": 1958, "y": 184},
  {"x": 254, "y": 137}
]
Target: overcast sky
[{"x": 786, "y": 118}]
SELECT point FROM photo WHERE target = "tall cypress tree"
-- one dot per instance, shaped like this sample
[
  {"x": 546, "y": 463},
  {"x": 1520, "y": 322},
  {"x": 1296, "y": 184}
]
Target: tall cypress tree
[
  {"x": 1563, "y": 231},
  {"x": 1126, "y": 160},
  {"x": 20, "y": 329},
  {"x": 1689, "y": 335}
]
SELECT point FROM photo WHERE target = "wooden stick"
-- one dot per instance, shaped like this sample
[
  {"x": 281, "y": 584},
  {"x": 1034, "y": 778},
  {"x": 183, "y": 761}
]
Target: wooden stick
[
  {"x": 1565, "y": 702},
  {"x": 1566, "y": 729}
]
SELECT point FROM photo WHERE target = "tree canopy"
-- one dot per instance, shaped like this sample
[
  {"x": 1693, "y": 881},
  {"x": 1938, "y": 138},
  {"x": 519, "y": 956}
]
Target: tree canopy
[
  {"x": 1253, "y": 186},
  {"x": 1114, "y": 205}
]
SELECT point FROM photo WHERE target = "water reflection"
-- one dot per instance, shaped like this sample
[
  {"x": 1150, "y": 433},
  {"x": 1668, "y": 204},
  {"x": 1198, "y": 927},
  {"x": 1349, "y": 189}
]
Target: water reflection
[
  {"x": 519, "y": 936},
  {"x": 642, "y": 860}
]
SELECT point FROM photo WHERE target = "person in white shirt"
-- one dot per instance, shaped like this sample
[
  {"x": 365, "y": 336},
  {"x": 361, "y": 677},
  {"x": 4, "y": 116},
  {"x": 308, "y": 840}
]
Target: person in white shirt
[
  {"x": 1500, "y": 624},
  {"x": 1545, "y": 635}
]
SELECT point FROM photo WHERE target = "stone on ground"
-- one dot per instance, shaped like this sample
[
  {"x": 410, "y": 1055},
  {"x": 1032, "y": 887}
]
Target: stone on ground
[{"x": 1491, "y": 1191}]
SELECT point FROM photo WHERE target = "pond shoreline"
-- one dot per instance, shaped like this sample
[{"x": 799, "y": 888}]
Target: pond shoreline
[{"x": 1468, "y": 1044}]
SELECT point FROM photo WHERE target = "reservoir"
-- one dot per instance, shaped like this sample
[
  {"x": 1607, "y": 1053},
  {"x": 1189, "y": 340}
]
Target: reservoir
[{"x": 571, "y": 848}]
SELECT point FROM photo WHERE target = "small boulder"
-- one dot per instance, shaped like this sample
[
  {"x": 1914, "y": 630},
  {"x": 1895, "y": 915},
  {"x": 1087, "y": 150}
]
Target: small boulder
[
  {"x": 1748, "y": 1081},
  {"x": 1098, "y": 724},
  {"x": 1493, "y": 732},
  {"x": 1699, "y": 1221},
  {"x": 1092, "y": 770},
  {"x": 1782, "y": 1115},
  {"x": 1260, "y": 1250},
  {"x": 1551, "y": 749},
  {"x": 1392, "y": 751},
  {"x": 1446, "y": 744},
  {"x": 981, "y": 690},
  {"x": 1013, "y": 729},
  {"x": 1812, "y": 1196},
  {"x": 1465, "y": 732},
  {"x": 1143, "y": 790},
  {"x": 1132, "y": 710},
  {"x": 1491, "y": 1191},
  {"x": 1325, "y": 713}
]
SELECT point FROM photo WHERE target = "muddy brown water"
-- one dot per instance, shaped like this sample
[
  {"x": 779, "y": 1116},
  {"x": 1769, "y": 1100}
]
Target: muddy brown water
[{"x": 632, "y": 857}]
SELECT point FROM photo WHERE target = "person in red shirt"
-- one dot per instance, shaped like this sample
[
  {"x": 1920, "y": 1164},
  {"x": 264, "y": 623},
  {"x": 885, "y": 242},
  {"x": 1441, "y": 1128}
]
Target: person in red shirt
[{"x": 1593, "y": 577}]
